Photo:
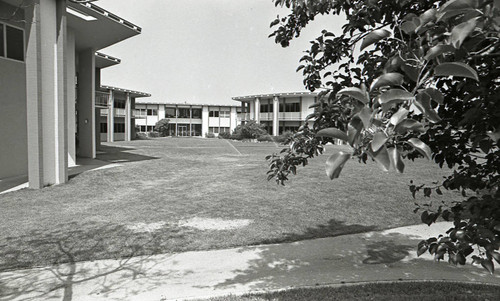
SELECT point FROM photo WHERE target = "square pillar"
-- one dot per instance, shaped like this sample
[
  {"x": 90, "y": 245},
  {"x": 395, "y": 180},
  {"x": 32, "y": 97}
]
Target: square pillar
[
  {"x": 86, "y": 104},
  {"x": 71, "y": 100},
  {"x": 276, "y": 109},
  {"x": 257, "y": 110},
  {"x": 204, "y": 120},
  {"x": 46, "y": 87},
  {"x": 111, "y": 116},
  {"x": 252, "y": 109},
  {"x": 128, "y": 117}
]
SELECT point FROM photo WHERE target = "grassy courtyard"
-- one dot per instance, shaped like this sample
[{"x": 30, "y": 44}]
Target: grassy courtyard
[{"x": 174, "y": 194}]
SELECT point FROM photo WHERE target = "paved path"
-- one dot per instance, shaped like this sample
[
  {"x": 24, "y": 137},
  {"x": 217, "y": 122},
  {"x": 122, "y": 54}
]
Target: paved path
[{"x": 374, "y": 256}]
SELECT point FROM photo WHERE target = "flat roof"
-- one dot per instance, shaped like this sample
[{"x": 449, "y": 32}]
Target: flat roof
[
  {"x": 103, "y": 60},
  {"x": 270, "y": 95},
  {"x": 150, "y": 102},
  {"x": 131, "y": 92}
]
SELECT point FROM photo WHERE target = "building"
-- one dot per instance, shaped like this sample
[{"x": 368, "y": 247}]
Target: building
[
  {"x": 187, "y": 119},
  {"x": 278, "y": 112},
  {"x": 51, "y": 94}
]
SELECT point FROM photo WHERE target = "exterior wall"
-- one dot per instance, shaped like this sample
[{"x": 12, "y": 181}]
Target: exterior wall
[{"x": 13, "y": 133}]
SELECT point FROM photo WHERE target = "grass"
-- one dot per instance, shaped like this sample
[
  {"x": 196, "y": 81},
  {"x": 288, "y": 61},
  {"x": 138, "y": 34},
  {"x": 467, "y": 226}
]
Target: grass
[
  {"x": 165, "y": 183},
  {"x": 381, "y": 291}
]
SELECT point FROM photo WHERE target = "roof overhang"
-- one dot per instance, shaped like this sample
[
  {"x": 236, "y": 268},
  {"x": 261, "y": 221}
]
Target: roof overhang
[
  {"x": 103, "y": 60},
  {"x": 132, "y": 93},
  {"x": 271, "y": 95},
  {"x": 97, "y": 28},
  {"x": 152, "y": 102}
]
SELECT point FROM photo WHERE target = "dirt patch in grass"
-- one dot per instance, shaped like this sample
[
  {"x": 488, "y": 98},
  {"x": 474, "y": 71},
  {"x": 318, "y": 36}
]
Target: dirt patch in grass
[{"x": 214, "y": 223}]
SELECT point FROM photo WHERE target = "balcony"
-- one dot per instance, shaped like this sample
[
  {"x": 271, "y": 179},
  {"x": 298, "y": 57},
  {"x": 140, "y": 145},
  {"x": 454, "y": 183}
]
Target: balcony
[
  {"x": 120, "y": 112},
  {"x": 101, "y": 99},
  {"x": 289, "y": 116},
  {"x": 138, "y": 113},
  {"x": 243, "y": 116},
  {"x": 266, "y": 116}
]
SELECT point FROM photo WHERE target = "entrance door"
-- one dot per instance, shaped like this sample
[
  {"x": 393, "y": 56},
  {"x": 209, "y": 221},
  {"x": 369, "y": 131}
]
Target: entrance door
[{"x": 183, "y": 131}]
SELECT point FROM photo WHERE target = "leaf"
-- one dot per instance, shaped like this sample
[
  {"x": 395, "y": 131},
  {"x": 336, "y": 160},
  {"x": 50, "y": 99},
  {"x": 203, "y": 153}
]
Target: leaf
[
  {"x": 365, "y": 115},
  {"x": 421, "y": 147},
  {"x": 398, "y": 116},
  {"x": 381, "y": 157},
  {"x": 353, "y": 129},
  {"x": 332, "y": 133},
  {"x": 438, "y": 50},
  {"x": 379, "y": 139},
  {"x": 422, "y": 248},
  {"x": 423, "y": 102},
  {"x": 456, "y": 69},
  {"x": 335, "y": 163},
  {"x": 460, "y": 32},
  {"x": 488, "y": 265},
  {"x": 408, "y": 27},
  {"x": 355, "y": 93},
  {"x": 387, "y": 79},
  {"x": 374, "y": 37},
  {"x": 428, "y": 16},
  {"x": 455, "y": 7},
  {"x": 395, "y": 94},
  {"x": 396, "y": 160},
  {"x": 435, "y": 95},
  {"x": 409, "y": 125},
  {"x": 411, "y": 71}
]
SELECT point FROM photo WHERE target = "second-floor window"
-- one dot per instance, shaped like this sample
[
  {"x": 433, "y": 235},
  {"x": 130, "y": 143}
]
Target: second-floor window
[
  {"x": 213, "y": 114},
  {"x": 170, "y": 112},
  {"x": 152, "y": 112},
  {"x": 11, "y": 42}
]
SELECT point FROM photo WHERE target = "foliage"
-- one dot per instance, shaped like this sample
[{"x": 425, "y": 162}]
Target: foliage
[
  {"x": 224, "y": 135},
  {"x": 283, "y": 138},
  {"x": 265, "y": 138},
  {"x": 209, "y": 135},
  {"x": 249, "y": 130},
  {"x": 162, "y": 127},
  {"x": 425, "y": 83}
]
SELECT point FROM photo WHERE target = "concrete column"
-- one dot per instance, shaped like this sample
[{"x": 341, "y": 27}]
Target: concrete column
[
  {"x": 161, "y": 112},
  {"x": 234, "y": 119},
  {"x": 252, "y": 109},
  {"x": 276, "y": 109},
  {"x": 71, "y": 100},
  {"x": 86, "y": 104},
  {"x": 257, "y": 110},
  {"x": 132, "y": 120},
  {"x": 128, "y": 117},
  {"x": 46, "y": 87},
  {"x": 111, "y": 116},
  {"x": 204, "y": 120}
]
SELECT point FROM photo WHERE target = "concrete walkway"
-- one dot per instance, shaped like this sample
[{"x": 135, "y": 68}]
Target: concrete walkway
[{"x": 374, "y": 256}]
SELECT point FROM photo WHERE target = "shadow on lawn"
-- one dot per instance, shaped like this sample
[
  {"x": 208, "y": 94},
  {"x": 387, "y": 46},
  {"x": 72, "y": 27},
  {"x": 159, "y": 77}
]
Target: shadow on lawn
[
  {"x": 117, "y": 154},
  {"x": 62, "y": 253}
]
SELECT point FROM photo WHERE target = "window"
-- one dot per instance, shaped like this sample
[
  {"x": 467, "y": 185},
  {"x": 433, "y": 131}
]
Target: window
[
  {"x": 213, "y": 114},
  {"x": 104, "y": 127},
  {"x": 150, "y": 128},
  {"x": 214, "y": 130},
  {"x": 196, "y": 113},
  {"x": 119, "y": 105},
  {"x": 170, "y": 112},
  {"x": 225, "y": 114},
  {"x": 11, "y": 42},
  {"x": 119, "y": 127},
  {"x": 152, "y": 112},
  {"x": 224, "y": 130},
  {"x": 184, "y": 113},
  {"x": 266, "y": 108},
  {"x": 142, "y": 128},
  {"x": 292, "y": 107}
]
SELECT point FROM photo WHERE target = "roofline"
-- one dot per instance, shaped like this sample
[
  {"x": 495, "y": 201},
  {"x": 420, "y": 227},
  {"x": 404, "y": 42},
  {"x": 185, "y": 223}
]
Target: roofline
[
  {"x": 137, "y": 93},
  {"x": 108, "y": 57},
  {"x": 148, "y": 102},
  {"x": 247, "y": 97},
  {"x": 111, "y": 16}
]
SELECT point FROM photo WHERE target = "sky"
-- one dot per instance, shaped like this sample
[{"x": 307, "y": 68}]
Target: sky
[{"x": 206, "y": 51}]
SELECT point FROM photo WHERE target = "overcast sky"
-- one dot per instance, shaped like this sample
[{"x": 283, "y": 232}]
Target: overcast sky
[{"x": 205, "y": 51}]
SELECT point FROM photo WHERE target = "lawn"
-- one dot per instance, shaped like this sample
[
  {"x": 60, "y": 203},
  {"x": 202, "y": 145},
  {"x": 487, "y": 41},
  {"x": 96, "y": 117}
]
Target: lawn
[
  {"x": 382, "y": 291},
  {"x": 179, "y": 194}
]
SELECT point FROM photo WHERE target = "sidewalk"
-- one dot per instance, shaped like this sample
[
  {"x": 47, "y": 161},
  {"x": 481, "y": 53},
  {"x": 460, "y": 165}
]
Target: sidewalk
[{"x": 374, "y": 256}]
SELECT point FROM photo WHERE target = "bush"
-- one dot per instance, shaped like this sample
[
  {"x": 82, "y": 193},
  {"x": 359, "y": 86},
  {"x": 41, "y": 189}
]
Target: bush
[
  {"x": 153, "y": 134},
  {"x": 141, "y": 136},
  {"x": 235, "y": 137},
  {"x": 225, "y": 135},
  {"x": 209, "y": 135},
  {"x": 162, "y": 127},
  {"x": 283, "y": 138},
  {"x": 265, "y": 138},
  {"x": 249, "y": 130}
]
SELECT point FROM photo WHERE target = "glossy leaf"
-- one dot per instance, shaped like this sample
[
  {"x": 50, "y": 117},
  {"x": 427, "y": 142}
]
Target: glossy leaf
[
  {"x": 423, "y": 102},
  {"x": 488, "y": 265},
  {"x": 374, "y": 37},
  {"x": 396, "y": 160},
  {"x": 437, "y": 50},
  {"x": 379, "y": 139},
  {"x": 398, "y": 116},
  {"x": 354, "y": 128},
  {"x": 332, "y": 133},
  {"x": 409, "y": 125},
  {"x": 411, "y": 71},
  {"x": 394, "y": 96},
  {"x": 456, "y": 69},
  {"x": 421, "y": 147},
  {"x": 408, "y": 27},
  {"x": 365, "y": 115},
  {"x": 355, "y": 93},
  {"x": 460, "y": 32},
  {"x": 381, "y": 157},
  {"x": 387, "y": 79},
  {"x": 335, "y": 163},
  {"x": 455, "y": 7},
  {"x": 435, "y": 95}
]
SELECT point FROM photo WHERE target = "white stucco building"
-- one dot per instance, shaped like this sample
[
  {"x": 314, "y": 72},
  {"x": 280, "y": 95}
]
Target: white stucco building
[{"x": 278, "y": 112}]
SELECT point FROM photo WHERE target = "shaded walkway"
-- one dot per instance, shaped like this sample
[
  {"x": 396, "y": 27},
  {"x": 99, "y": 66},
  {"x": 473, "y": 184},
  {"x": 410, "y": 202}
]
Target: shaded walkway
[{"x": 374, "y": 256}]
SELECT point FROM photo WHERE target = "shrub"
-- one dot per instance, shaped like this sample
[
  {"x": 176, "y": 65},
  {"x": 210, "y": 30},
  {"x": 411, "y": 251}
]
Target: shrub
[
  {"x": 283, "y": 138},
  {"x": 162, "y": 127},
  {"x": 249, "y": 130},
  {"x": 265, "y": 138},
  {"x": 209, "y": 135},
  {"x": 153, "y": 134},
  {"x": 225, "y": 135}
]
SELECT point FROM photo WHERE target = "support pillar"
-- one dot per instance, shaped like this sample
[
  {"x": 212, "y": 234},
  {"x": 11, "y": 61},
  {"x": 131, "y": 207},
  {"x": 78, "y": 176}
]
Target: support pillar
[
  {"x": 46, "y": 88},
  {"x": 128, "y": 117},
  {"x": 71, "y": 100},
  {"x": 111, "y": 116},
  {"x": 252, "y": 110},
  {"x": 86, "y": 104},
  {"x": 257, "y": 110},
  {"x": 204, "y": 120},
  {"x": 276, "y": 109}
]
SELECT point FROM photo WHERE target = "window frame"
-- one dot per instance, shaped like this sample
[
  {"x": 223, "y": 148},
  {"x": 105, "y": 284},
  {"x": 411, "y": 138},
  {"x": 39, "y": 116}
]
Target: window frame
[{"x": 5, "y": 44}]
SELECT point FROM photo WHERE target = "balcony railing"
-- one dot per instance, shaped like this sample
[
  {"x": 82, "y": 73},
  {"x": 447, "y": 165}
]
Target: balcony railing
[
  {"x": 138, "y": 113},
  {"x": 266, "y": 116},
  {"x": 243, "y": 116},
  {"x": 101, "y": 99},
  {"x": 289, "y": 115},
  {"x": 119, "y": 112}
]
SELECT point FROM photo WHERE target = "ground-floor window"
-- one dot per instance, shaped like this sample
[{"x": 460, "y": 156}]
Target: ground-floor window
[
  {"x": 104, "y": 127},
  {"x": 142, "y": 128},
  {"x": 150, "y": 128},
  {"x": 196, "y": 130},
  {"x": 119, "y": 127}
]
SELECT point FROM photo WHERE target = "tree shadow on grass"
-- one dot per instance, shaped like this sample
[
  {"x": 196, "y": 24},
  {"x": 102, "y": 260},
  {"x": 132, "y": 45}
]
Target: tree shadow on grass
[
  {"x": 117, "y": 154},
  {"x": 53, "y": 262}
]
